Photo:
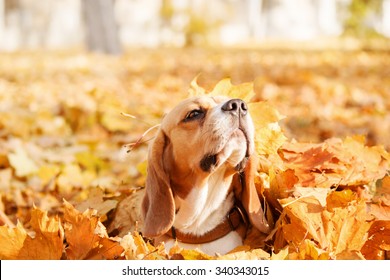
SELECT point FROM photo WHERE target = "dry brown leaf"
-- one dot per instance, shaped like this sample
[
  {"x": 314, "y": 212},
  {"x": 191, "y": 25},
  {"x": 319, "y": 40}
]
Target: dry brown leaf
[
  {"x": 11, "y": 241},
  {"x": 256, "y": 254},
  {"x": 80, "y": 232},
  {"x": 305, "y": 222},
  {"x": 336, "y": 162},
  {"x": 128, "y": 214},
  {"x": 346, "y": 227},
  {"x": 308, "y": 250},
  {"x": 338, "y": 229},
  {"x": 95, "y": 200},
  {"x": 378, "y": 241},
  {"x": 47, "y": 243}
]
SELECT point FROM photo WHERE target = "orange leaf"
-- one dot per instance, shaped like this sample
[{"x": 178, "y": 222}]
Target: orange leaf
[
  {"x": 48, "y": 241},
  {"x": 378, "y": 241},
  {"x": 80, "y": 232},
  {"x": 11, "y": 241}
]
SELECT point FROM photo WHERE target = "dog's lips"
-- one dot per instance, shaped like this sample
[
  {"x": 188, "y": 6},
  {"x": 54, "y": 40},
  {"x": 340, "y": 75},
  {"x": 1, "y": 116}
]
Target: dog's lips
[
  {"x": 248, "y": 142},
  {"x": 210, "y": 161}
]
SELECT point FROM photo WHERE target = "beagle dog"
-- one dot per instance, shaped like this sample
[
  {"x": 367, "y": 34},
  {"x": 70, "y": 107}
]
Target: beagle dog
[{"x": 200, "y": 178}]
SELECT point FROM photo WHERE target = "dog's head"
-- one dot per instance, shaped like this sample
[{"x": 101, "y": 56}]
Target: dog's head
[{"x": 198, "y": 137}]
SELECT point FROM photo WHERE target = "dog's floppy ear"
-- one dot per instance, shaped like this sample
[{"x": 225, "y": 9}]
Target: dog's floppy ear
[
  {"x": 158, "y": 206},
  {"x": 249, "y": 197}
]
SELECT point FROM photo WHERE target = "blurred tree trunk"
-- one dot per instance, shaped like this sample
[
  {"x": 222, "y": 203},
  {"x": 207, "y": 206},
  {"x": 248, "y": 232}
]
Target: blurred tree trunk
[{"x": 101, "y": 28}]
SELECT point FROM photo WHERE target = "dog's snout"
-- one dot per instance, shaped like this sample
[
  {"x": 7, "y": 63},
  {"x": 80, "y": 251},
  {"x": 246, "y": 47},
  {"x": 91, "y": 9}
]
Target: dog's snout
[{"x": 236, "y": 106}]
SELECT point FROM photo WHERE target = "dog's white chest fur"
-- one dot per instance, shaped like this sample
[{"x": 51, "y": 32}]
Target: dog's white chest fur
[{"x": 204, "y": 207}]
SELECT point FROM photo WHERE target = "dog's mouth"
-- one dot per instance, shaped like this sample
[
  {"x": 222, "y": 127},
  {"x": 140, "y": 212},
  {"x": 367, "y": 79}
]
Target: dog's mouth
[{"x": 211, "y": 161}]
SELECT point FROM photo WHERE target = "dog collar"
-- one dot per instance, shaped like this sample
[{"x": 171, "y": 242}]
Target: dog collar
[{"x": 235, "y": 220}]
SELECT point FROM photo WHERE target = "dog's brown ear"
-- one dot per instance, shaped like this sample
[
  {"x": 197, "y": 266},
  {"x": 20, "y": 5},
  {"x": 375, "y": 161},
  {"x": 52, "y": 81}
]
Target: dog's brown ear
[
  {"x": 158, "y": 206},
  {"x": 250, "y": 198}
]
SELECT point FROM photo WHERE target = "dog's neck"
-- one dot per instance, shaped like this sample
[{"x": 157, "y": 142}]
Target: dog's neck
[{"x": 206, "y": 205}]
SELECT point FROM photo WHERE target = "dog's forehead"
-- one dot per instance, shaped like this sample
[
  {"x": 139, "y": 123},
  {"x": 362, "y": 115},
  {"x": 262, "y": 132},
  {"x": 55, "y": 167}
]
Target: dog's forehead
[{"x": 192, "y": 103}]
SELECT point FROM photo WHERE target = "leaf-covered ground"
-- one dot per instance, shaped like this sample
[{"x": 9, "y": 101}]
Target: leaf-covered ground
[{"x": 70, "y": 183}]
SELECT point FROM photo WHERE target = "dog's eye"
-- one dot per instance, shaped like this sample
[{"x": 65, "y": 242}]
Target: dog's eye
[{"x": 194, "y": 115}]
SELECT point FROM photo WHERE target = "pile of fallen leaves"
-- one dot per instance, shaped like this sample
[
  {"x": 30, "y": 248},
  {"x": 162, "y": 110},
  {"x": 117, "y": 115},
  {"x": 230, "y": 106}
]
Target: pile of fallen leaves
[{"x": 72, "y": 164}]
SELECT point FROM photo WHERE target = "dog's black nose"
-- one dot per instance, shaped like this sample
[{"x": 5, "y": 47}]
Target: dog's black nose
[{"x": 235, "y": 106}]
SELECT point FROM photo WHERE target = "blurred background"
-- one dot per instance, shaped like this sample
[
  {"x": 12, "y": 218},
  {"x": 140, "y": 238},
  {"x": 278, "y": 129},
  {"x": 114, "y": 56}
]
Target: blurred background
[{"x": 111, "y": 25}]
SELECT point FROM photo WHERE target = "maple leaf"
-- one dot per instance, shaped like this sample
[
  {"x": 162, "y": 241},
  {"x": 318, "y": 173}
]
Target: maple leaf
[
  {"x": 378, "y": 241},
  {"x": 308, "y": 250},
  {"x": 11, "y": 241},
  {"x": 96, "y": 201},
  {"x": 345, "y": 223},
  {"x": 268, "y": 134},
  {"x": 86, "y": 236},
  {"x": 136, "y": 248},
  {"x": 22, "y": 163},
  {"x": 335, "y": 162},
  {"x": 256, "y": 254},
  {"x": 338, "y": 229},
  {"x": 47, "y": 243}
]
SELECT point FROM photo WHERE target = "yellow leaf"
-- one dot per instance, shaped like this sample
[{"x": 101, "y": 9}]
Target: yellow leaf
[
  {"x": 346, "y": 227},
  {"x": 22, "y": 163},
  {"x": 80, "y": 232},
  {"x": 48, "y": 172},
  {"x": 95, "y": 201},
  {"x": 11, "y": 241},
  {"x": 48, "y": 241},
  {"x": 90, "y": 161},
  {"x": 256, "y": 254},
  {"x": 115, "y": 122},
  {"x": 340, "y": 199},
  {"x": 72, "y": 176},
  {"x": 195, "y": 89},
  {"x": 308, "y": 250},
  {"x": 194, "y": 255},
  {"x": 268, "y": 134},
  {"x": 127, "y": 242},
  {"x": 281, "y": 255},
  {"x": 242, "y": 91},
  {"x": 5, "y": 179},
  {"x": 305, "y": 221}
]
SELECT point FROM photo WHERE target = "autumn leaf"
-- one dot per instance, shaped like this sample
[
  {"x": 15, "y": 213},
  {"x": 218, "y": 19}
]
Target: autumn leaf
[
  {"x": 242, "y": 91},
  {"x": 346, "y": 224},
  {"x": 268, "y": 134},
  {"x": 47, "y": 244},
  {"x": 378, "y": 241},
  {"x": 338, "y": 230},
  {"x": 335, "y": 162},
  {"x": 22, "y": 163},
  {"x": 256, "y": 254},
  {"x": 62, "y": 136},
  {"x": 86, "y": 236},
  {"x": 11, "y": 241}
]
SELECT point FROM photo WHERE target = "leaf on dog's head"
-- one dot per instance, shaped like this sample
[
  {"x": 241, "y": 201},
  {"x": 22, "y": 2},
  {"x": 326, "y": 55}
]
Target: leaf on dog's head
[
  {"x": 242, "y": 91},
  {"x": 195, "y": 89}
]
